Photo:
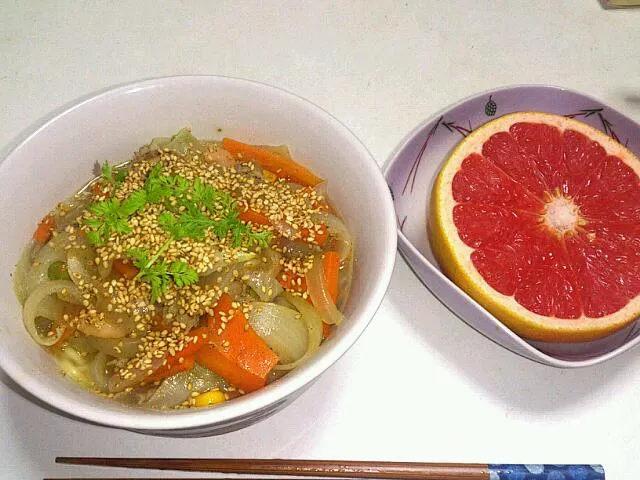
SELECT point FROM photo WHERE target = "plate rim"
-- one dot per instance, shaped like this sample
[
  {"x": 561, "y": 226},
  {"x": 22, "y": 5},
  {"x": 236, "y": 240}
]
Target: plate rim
[{"x": 407, "y": 248}]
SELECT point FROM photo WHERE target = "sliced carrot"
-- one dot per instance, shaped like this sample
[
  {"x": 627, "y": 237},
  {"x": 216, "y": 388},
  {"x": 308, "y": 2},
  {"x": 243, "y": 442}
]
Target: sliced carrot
[
  {"x": 125, "y": 268},
  {"x": 292, "y": 282},
  {"x": 237, "y": 353},
  {"x": 183, "y": 359},
  {"x": 221, "y": 309},
  {"x": 45, "y": 229},
  {"x": 320, "y": 236},
  {"x": 254, "y": 217},
  {"x": 170, "y": 368},
  {"x": 331, "y": 270},
  {"x": 280, "y": 165},
  {"x": 199, "y": 338}
]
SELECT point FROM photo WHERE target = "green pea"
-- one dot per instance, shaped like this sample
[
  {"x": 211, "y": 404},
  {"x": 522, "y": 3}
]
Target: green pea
[{"x": 58, "y": 271}]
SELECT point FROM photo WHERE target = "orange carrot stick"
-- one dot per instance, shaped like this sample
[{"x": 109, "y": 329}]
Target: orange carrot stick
[
  {"x": 169, "y": 369},
  {"x": 125, "y": 268},
  {"x": 237, "y": 353},
  {"x": 281, "y": 166},
  {"x": 45, "y": 229},
  {"x": 221, "y": 309},
  {"x": 183, "y": 359},
  {"x": 320, "y": 237},
  {"x": 254, "y": 217},
  {"x": 293, "y": 282}
]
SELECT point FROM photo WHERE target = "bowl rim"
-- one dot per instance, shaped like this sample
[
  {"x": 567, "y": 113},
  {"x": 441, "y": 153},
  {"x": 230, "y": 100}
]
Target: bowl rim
[
  {"x": 406, "y": 247},
  {"x": 271, "y": 395}
]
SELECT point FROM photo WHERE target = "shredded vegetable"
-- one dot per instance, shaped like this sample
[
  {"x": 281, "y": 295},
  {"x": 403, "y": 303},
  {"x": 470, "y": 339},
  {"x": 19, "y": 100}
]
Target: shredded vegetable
[{"x": 196, "y": 272}]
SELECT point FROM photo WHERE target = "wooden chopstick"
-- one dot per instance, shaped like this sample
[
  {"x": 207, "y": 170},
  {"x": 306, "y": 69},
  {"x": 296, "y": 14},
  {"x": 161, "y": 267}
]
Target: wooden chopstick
[{"x": 346, "y": 468}]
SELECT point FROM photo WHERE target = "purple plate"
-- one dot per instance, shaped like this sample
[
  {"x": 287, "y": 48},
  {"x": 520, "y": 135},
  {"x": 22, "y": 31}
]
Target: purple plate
[{"x": 411, "y": 171}]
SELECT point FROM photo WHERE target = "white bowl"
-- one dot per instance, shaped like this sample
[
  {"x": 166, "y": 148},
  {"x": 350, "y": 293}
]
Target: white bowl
[
  {"x": 57, "y": 158},
  {"x": 413, "y": 167}
]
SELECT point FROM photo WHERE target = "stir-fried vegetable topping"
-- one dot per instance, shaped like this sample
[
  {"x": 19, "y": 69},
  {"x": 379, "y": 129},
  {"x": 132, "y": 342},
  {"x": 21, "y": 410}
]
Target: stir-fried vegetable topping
[{"x": 196, "y": 272}]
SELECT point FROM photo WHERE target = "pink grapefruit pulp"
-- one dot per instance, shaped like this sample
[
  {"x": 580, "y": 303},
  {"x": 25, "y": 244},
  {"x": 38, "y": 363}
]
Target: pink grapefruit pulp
[{"x": 537, "y": 217}]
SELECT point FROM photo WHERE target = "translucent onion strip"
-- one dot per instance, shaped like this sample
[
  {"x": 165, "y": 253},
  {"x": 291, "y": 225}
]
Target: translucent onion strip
[
  {"x": 32, "y": 308},
  {"x": 281, "y": 328},
  {"x": 265, "y": 285},
  {"x": 320, "y": 296},
  {"x": 21, "y": 272},
  {"x": 313, "y": 322},
  {"x": 38, "y": 269},
  {"x": 177, "y": 388},
  {"x": 78, "y": 261},
  {"x": 134, "y": 376},
  {"x": 98, "y": 371},
  {"x": 340, "y": 236},
  {"x": 115, "y": 347}
]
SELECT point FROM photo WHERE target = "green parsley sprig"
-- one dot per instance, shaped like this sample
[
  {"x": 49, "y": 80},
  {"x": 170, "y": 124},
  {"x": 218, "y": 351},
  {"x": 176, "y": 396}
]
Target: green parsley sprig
[
  {"x": 190, "y": 210},
  {"x": 110, "y": 216},
  {"x": 159, "y": 274},
  {"x": 111, "y": 176}
]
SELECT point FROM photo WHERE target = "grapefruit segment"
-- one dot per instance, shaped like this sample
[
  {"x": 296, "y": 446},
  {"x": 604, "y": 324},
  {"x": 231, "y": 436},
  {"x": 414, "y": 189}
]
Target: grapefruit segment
[{"x": 536, "y": 216}]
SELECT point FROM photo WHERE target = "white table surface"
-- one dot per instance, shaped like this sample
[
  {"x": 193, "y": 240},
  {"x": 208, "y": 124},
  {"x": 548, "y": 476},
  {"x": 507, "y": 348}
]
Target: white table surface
[{"x": 419, "y": 385}]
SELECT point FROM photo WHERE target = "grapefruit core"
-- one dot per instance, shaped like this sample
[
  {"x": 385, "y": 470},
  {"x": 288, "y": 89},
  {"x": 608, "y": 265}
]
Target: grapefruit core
[{"x": 537, "y": 217}]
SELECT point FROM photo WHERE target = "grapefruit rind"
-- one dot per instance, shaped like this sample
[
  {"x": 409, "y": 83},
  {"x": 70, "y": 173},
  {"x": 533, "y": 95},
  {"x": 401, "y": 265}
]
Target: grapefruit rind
[{"x": 454, "y": 256}]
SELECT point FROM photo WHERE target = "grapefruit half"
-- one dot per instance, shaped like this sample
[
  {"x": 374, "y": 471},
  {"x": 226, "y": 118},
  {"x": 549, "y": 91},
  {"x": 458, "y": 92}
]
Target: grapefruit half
[{"x": 537, "y": 217}]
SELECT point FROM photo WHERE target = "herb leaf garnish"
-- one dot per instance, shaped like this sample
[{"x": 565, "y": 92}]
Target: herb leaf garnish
[
  {"x": 190, "y": 210},
  {"x": 159, "y": 274}
]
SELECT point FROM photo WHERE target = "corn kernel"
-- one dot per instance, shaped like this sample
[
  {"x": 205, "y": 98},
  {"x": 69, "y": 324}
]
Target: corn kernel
[{"x": 209, "y": 398}]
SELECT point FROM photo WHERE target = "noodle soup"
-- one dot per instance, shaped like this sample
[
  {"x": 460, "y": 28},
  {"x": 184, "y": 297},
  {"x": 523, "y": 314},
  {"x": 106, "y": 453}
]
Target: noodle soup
[{"x": 197, "y": 272}]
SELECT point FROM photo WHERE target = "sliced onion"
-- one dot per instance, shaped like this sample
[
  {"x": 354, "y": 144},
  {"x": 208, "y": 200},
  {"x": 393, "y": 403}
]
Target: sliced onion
[
  {"x": 345, "y": 282},
  {"x": 38, "y": 267},
  {"x": 320, "y": 296},
  {"x": 104, "y": 329},
  {"x": 22, "y": 269},
  {"x": 281, "y": 328},
  {"x": 266, "y": 286},
  {"x": 116, "y": 325},
  {"x": 115, "y": 347},
  {"x": 80, "y": 266},
  {"x": 32, "y": 308},
  {"x": 98, "y": 371},
  {"x": 175, "y": 389},
  {"x": 322, "y": 189},
  {"x": 342, "y": 240},
  {"x": 313, "y": 322},
  {"x": 284, "y": 229},
  {"x": 74, "y": 366},
  {"x": 297, "y": 248},
  {"x": 103, "y": 271},
  {"x": 135, "y": 376},
  {"x": 218, "y": 155}
]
